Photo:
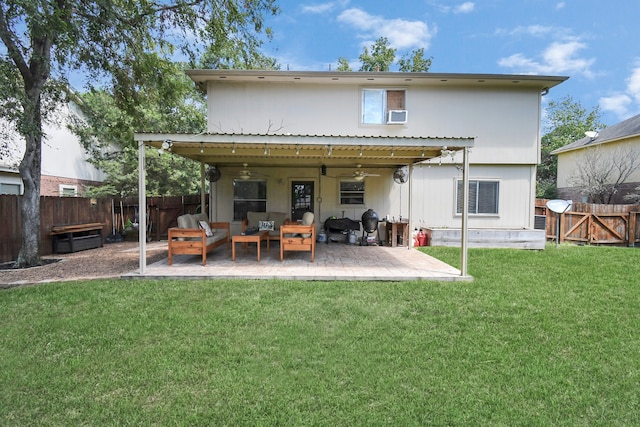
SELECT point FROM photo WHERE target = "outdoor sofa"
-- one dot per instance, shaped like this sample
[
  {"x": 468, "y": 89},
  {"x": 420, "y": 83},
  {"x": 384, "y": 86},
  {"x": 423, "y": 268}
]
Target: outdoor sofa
[{"x": 195, "y": 235}]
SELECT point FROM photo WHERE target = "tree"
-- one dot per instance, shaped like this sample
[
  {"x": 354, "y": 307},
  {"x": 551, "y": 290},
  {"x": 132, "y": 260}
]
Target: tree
[
  {"x": 600, "y": 172},
  {"x": 117, "y": 43},
  {"x": 415, "y": 63},
  {"x": 106, "y": 132},
  {"x": 381, "y": 55},
  {"x": 343, "y": 64},
  {"x": 380, "y": 58},
  {"x": 566, "y": 122}
]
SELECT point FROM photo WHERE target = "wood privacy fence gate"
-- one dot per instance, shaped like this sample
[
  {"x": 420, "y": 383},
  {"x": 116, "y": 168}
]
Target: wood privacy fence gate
[
  {"x": 57, "y": 211},
  {"x": 594, "y": 224}
]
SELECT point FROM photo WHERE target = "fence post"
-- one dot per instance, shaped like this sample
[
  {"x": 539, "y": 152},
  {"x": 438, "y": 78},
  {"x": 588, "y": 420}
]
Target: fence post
[{"x": 631, "y": 229}]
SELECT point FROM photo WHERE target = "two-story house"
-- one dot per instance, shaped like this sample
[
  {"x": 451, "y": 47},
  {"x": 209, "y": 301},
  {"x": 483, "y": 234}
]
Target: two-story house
[
  {"x": 65, "y": 167},
  {"x": 332, "y": 142}
]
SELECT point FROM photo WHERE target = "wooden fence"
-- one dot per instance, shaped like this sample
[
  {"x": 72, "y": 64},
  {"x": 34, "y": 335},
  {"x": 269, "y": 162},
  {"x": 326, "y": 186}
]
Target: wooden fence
[
  {"x": 161, "y": 211},
  {"x": 594, "y": 224}
]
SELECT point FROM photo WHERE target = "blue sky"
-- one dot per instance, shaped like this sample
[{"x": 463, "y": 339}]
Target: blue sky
[{"x": 594, "y": 42}]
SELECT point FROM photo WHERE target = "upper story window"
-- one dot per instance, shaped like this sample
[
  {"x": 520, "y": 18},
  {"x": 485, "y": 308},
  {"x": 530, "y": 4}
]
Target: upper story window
[
  {"x": 377, "y": 103},
  {"x": 483, "y": 197}
]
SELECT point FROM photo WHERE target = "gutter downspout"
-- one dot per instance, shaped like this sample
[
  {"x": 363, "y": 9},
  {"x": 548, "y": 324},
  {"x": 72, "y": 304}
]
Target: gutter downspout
[{"x": 142, "y": 204}]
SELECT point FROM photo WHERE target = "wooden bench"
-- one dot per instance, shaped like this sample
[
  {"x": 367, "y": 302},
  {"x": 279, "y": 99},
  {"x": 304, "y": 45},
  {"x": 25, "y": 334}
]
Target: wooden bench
[
  {"x": 295, "y": 237},
  {"x": 194, "y": 241},
  {"x": 76, "y": 237}
]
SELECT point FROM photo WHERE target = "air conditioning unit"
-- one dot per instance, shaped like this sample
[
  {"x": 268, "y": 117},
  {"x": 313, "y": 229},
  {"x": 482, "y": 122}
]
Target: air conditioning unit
[{"x": 397, "y": 117}]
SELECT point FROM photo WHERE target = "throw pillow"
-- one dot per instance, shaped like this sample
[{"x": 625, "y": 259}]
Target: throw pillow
[
  {"x": 266, "y": 225},
  {"x": 207, "y": 229}
]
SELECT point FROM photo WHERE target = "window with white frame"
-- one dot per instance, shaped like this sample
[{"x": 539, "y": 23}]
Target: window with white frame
[
  {"x": 67, "y": 190},
  {"x": 7, "y": 188},
  {"x": 351, "y": 192},
  {"x": 248, "y": 195},
  {"x": 376, "y": 104},
  {"x": 483, "y": 197}
]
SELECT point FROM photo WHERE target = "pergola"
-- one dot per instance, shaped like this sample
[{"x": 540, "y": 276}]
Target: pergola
[{"x": 303, "y": 151}]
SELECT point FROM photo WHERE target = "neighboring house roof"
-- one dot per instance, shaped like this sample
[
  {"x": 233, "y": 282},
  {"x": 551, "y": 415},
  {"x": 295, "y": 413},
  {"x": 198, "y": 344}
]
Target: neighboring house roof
[{"x": 625, "y": 129}]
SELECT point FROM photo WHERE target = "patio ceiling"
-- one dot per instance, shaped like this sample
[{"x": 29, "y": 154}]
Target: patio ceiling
[{"x": 303, "y": 150}]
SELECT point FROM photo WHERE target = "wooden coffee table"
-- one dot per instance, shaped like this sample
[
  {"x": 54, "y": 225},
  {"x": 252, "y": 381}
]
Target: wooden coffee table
[{"x": 249, "y": 238}]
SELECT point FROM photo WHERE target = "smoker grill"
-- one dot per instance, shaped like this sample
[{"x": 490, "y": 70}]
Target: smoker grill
[{"x": 370, "y": 233}]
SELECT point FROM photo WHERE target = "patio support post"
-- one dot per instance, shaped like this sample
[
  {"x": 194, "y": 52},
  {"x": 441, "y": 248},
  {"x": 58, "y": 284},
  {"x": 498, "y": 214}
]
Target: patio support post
[
  {"x": 465, "y": 211},
  {"x": 142, "y": 209},
  {"x": 410, "y": 225},
  {"x": 203, "y": 199}
]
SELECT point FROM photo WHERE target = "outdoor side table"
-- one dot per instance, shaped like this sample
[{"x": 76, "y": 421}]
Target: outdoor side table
[{"x": 245, "y": 239}]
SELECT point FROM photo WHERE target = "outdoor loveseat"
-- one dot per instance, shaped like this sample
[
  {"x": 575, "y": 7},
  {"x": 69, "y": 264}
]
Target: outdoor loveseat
[{"x": 195, "y": 235}]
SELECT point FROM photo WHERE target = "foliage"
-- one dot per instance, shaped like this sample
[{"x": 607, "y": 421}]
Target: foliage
[
  {"x": 343, "y": 64},
  {"x": 600, "y": 171},
  {"x": 380, "y": 56},
  {"x": 415, "y": 62},
  {"x": 566, "y": 122},
  {"x": 107, "y": 132},
  {"x": 121, "y": 45},
  {"x": 538, "y": 338}
]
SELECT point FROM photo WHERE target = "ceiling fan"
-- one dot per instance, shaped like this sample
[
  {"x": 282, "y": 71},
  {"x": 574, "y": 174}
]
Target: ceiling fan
[
  {"x": 359, "y": 174},
  {"x": 248, "y": 174}
]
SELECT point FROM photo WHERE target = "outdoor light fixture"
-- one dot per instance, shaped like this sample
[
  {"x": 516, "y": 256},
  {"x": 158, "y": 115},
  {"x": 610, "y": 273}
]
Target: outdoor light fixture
[
  {"x": 297, "y": 150},
  {"x": 422, "y": 155},
  {"x": 361, "y": 151},
  {"x": 201, "y": 148},
  {"x": 167, "y": 144},
  {"x": 393, "y": 152},
  {"x": 591, "y": 134},
  {"x": 329, "y": 153},
  {"x": 233, "y": 148}
]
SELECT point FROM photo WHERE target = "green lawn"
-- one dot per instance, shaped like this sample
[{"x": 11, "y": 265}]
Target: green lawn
[{"x": 538, "y": 338}]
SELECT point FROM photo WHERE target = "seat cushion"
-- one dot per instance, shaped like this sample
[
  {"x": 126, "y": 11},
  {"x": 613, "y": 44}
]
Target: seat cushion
[
  {"x": 187, "y": 221},
  {"x": 253, "y": 218},
  {"x": 200, "y": 217},
  {"x": 307, "y": 219},
  {"x": 278, "y": 219}
]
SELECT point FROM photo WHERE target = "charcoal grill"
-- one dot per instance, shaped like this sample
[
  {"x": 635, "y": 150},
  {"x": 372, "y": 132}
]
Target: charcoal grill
[{"x": 370, "y": 232}]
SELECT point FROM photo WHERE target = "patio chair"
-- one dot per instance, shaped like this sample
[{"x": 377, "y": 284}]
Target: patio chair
[{"x": 299, "y": 236}]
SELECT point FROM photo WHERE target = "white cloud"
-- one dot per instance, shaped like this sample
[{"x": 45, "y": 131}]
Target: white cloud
[
  {"x": 557, "y": 58},
  {"x": 560, "y": 5},
  {"x": 402, "y": 33},
  {"x": 618, "y": 104},
  {"x": 466, "y": 7},
  {"x": 324, "y": 7},
  {"x": 627, "y": 103}
]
